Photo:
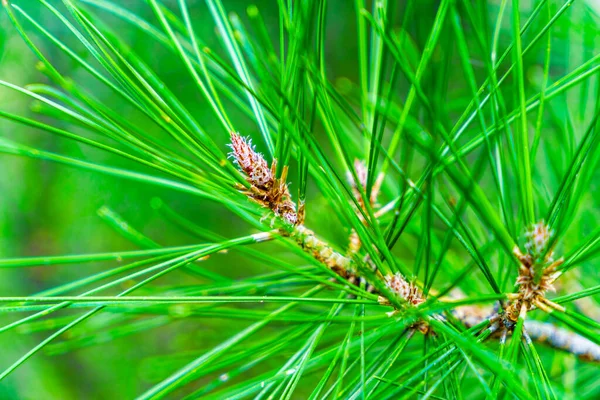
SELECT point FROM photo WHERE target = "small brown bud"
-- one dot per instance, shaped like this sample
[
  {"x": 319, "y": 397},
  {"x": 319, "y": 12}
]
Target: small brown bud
[{"x": 265, "y": 189}]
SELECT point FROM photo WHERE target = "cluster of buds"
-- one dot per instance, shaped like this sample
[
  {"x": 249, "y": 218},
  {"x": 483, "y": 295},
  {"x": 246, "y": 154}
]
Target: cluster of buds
[
  {"x": 537, "y": 273},
  {"x": 265, "y": 189},
  {"x": 407, "y": 291}
]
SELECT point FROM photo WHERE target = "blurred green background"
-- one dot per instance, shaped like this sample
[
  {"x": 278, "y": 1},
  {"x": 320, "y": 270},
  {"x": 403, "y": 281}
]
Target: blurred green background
[{"x": 50, "y": 209}]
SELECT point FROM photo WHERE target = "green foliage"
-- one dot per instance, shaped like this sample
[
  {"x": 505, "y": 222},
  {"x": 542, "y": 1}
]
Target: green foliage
[{"x": 133, "y": 264}]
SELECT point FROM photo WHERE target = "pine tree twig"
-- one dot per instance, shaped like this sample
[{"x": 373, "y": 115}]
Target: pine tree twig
[
  {"x": 272, "y": 193},
  {"x": 540, "y": 332},
  {"x": 537, "y": 271},
  {"x": 322, "y": 252},
  {"x": 559, "y": 338}
]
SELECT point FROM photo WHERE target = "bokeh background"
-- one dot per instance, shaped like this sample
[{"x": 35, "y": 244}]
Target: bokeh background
[{"x": 50, "y": 209}]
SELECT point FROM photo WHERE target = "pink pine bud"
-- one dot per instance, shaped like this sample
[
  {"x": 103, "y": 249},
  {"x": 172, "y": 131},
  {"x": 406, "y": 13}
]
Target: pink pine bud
[
  {"x": 361, "y": 174},
  {"x": 265, "y": 188},
  {"x": 538, "y": 239},
  {"x": 251, "y": 162},
  {"x": 404, "y": 289}
]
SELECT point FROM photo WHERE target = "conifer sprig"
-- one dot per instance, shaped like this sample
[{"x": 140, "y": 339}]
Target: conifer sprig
[{"x": 301, "y": 271}]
